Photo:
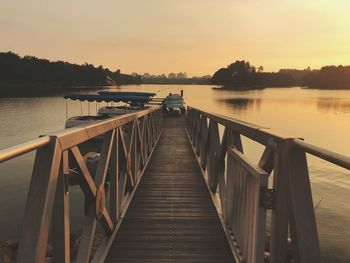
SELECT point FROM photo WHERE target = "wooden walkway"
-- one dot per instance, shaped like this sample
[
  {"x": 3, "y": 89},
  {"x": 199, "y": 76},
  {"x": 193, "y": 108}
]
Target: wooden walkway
[{"x": 171, "y": 217}]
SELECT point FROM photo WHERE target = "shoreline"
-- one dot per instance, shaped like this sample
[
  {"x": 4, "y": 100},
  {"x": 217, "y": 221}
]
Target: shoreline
[{"x": 41, "y": 91}]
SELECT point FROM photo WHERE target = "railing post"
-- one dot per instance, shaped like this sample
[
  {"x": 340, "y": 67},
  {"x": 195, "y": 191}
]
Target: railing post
[
  {"x": 60, "y": 221},
  {"x": 294, "y": 205},
  {"x": 279, "y": 217},
  {"x": 198, "y": 134},
  {"x": 306, "y": 247},
  {"x": 203, "y": 142},
  {"x": 214, "y": 147},
  {"x": 229, "y": 138},
  {"x": 194, "y": 127},
  {"x": 114, "y": 182},
  {"x": 38, "y": 211},
  {"x": 188, "y": 120},
  {"x": 143, "y": 138},
  {"x": 133, "y": 151}
]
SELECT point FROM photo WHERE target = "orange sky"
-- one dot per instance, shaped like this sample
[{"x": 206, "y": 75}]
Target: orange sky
[{"x": 195, "y": 36}]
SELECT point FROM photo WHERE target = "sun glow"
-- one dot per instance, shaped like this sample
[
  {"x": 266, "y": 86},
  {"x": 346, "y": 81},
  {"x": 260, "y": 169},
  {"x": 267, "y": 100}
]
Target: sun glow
[{"x": 196, "y": 36}]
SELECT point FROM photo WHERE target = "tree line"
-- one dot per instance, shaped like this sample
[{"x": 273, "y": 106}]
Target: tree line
[
  {"x": 242, "y": 75},
  {"x": 336, "y": 77},
  {"x": 27, "y": 73}
]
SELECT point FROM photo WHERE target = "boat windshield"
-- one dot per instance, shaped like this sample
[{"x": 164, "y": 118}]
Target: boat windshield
[{"x": 174, "y": 102}]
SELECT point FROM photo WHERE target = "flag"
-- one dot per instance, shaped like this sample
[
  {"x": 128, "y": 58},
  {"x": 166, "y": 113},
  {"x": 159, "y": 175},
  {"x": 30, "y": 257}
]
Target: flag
[{"x": 110, "y": 81}]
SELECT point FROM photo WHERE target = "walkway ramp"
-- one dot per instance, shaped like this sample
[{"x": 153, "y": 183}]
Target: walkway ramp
[{"x": 171, "y": 217}]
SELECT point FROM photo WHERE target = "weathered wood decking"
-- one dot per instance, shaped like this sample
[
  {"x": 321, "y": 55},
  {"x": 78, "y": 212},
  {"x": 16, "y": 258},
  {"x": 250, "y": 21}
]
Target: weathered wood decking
[{"x": 171, "y": 217}]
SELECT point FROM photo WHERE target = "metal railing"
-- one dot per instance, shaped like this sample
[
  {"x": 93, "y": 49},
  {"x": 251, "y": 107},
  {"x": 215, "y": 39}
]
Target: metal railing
[
  {"x": 126, "y": 144},
  {"x": 242, "y": 187}
]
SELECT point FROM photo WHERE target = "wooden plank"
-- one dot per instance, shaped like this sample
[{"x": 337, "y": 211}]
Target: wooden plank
[{"x": 171, "y": 217}]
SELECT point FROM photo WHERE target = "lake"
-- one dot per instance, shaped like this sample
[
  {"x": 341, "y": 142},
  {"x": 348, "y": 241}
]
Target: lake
[{"x": 321, "y": 117}]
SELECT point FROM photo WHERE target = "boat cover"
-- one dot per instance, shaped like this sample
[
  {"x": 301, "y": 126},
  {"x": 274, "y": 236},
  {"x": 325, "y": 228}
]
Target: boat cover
[
  {"x": 173, "y": 97},
  {"x": 107, "y": 98},
  {"x": 131, "y": 93}
]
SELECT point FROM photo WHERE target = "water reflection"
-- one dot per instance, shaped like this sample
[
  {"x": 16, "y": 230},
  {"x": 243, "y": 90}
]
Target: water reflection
[
  {"x": 335, "y": 105},
  {"x": 239, "y": 106}
]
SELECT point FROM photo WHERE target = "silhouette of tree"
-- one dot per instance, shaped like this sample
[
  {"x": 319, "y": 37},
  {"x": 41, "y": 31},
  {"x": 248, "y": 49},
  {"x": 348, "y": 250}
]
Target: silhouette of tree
[
  {"x": 222, "y": 77},
  {"x": 329, "y": 77},
  {"x": 242, "y": 75},
  {"x": 29, "y": 72},
  {"x": 239, "y": 74}
]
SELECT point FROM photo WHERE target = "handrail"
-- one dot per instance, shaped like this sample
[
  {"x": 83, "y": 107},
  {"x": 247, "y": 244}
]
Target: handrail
[
  {"x": 290, "y": 198},
  {"x": 252, "y": 131},
  {"x": 259, "y": 134},
  {"x": 327, "y": 155},
  {"x": 14, "y": 151},
  {"x": 90, "y": 130},
  {"x": 76, "y": 135},
  {"x": 124, "y": 144}
]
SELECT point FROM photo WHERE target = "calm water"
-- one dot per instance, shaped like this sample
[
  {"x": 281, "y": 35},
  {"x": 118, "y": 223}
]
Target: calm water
[{"x": 322, "y": 117}]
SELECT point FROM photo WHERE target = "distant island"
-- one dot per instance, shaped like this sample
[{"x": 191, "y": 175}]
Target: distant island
[
  {"x": 32, "y": 75},
  {"x": 241, "y": 75}
]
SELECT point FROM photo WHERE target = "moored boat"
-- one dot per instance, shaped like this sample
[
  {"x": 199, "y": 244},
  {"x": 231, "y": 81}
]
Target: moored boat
[
  {"x": 174, "y": 105},
  {"x": 132, "y": 102},
  {"x": 135, "y": 101}
]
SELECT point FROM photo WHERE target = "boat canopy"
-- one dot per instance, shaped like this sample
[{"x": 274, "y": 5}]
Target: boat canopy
[
  {"x": 128, "y": 93},
  {"x": 107, "y": 98},
  {"x": 173, "y": 97}
]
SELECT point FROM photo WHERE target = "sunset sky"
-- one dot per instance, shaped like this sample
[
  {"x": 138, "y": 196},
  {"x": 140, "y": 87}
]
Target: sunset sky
[{"x": 195, "y": 36}]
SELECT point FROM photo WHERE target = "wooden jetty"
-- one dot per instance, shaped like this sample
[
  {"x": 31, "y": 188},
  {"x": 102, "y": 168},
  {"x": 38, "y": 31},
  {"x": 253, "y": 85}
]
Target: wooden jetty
[
  {"x": 171, "y": 217},
  {"x": 170, "y": 189}
]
